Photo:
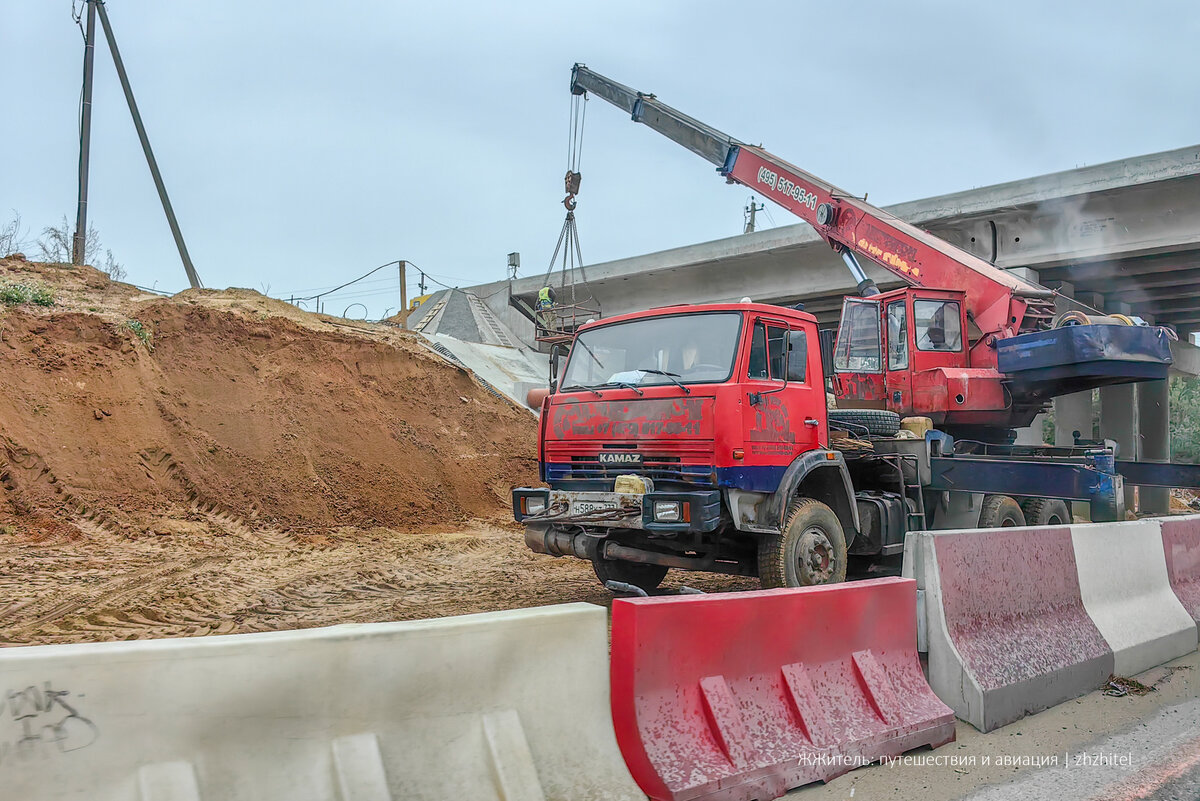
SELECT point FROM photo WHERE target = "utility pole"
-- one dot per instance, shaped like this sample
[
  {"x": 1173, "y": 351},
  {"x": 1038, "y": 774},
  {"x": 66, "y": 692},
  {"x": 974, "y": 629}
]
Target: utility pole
[
  {"x": 751, "y": 211},
  {"x": 403, "y": 295},
  {"x": 79, "y": 246},
  {"x": 98, "y": 5}
]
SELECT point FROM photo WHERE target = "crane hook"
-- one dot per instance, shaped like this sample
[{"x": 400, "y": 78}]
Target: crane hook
[{"x": 571, "y": 181}]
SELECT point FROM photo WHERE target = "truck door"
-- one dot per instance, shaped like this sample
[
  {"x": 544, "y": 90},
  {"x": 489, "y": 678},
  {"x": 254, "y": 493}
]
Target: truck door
[
  {"x": 897, "y": 337},
  {"x": 784, "y": 408}
]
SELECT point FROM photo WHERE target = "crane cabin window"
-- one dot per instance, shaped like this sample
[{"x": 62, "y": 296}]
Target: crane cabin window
[
  {"x": 897, "y": 336},
  {"x": 858, "y": 348},
  {"x": 938, "y": 325}
]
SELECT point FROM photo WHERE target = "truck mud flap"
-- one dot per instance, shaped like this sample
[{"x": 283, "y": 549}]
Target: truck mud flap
[{"x": 746, "y": 695}]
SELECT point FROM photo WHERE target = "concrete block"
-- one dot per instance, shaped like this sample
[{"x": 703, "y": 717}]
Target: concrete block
[
  {"x": 1181, "y": 546},
  {"x": 1125, "y": 589},
  {"x": 1008, "y": 634},
  {"x": 495, "y": 706}
]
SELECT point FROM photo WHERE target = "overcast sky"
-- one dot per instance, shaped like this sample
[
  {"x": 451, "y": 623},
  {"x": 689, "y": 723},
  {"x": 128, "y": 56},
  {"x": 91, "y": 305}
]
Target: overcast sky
[{"x": 304, "y": 143}]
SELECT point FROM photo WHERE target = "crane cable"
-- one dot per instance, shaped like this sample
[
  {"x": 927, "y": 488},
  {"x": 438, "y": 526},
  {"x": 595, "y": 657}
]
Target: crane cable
[{"x": 568, "y": 238}]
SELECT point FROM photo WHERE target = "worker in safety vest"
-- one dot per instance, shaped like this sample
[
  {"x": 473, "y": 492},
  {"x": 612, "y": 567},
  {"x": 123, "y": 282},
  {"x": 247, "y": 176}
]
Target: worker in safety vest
[{"x": 545, "y": 305}]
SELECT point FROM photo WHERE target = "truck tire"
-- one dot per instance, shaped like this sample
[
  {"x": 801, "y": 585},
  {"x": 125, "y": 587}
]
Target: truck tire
[
  {"x": 811, "y": 549},
  {"x": 879, "y": 422},
  {"x": 1001, "y": 511},
  {"x": 1046, "y": 512},
  {"x": 639, "y": 574}
]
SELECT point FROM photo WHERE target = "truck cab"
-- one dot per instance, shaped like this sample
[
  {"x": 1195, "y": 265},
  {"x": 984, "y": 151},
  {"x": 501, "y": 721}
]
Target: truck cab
[{"x": 679, "y": 436}]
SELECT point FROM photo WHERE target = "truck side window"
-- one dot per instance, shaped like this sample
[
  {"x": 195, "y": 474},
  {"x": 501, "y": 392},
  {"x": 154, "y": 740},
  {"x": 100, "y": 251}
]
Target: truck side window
[
  {"x": 897, "y": 336},
  {"x": 776, "y": 342},
  {"x": 797, "y": 367},
  {"x": 758, "y": 352},
  {"x": 938, "y": 325}
]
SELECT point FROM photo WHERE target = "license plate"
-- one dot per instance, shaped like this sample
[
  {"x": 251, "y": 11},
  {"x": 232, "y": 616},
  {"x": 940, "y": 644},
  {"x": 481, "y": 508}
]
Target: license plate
[{"x": 583, "y": 507}]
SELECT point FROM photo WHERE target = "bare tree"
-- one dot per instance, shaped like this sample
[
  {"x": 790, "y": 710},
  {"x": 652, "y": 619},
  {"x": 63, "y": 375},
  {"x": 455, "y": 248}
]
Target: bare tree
[
  {"x": 56, "y": 243},
  {"x": 115, "y": 270},
  {"x": 12, "y": 238}
]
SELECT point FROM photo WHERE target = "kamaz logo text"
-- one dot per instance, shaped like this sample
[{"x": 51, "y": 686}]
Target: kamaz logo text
[
  {"x": 787, "y": 187},
  {"x": 623, "y": 459}
]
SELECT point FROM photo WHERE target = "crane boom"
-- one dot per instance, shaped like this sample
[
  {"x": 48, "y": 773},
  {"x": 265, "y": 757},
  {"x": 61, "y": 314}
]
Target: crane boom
[{"x": 999, "y": 303}]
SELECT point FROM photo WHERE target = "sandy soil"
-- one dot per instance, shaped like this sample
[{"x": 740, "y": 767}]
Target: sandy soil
[
  {"x": 242, "y": 465},
  {"x": 193, "y": 581}
]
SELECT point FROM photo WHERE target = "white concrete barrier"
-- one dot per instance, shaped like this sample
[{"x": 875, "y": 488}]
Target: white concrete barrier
[
  {"x": 507, "y": 705},
  {"x": 1126, "y": 591}
]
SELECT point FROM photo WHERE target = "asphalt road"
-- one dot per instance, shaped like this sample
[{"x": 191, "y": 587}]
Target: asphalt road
[{"x": 1096, "y": 748}]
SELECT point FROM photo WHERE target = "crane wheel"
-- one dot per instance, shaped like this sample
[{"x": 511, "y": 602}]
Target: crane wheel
[
  {"x": 1046, "y": 512},
  {"x": 1001, "y": 511}
]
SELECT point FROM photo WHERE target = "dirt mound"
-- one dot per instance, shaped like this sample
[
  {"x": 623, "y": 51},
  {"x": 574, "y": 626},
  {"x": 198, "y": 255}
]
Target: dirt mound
[
  {"x": 222, "y": 462},
  {"x": 113, "y": 411}
]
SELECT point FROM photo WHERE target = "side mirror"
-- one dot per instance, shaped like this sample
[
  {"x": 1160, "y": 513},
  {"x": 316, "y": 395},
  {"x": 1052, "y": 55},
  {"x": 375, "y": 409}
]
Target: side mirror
[
  {"x": 556, "y": 351},
  {"x": 828, "y": 337}
]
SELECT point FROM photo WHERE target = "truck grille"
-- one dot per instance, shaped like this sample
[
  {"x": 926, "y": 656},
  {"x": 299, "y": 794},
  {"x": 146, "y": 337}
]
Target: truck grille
[{"x": 658, "y": 468}]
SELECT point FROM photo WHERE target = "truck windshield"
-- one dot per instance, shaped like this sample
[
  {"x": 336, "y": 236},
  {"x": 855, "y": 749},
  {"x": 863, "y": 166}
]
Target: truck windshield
[{"x": 680, "y": 348}]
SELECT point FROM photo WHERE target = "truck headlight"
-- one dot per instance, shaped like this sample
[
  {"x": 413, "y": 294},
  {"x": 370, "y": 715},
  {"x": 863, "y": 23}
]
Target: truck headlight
[
  {"x": 535, "y": 504},
  {"x": 668, "y": 511}
]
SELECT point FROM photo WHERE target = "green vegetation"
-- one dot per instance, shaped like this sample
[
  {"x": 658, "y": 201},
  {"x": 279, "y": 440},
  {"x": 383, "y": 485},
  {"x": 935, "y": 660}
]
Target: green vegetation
[
  {"x": 141, "y": 332},
  {"x": 1184, "y": 402},
  {"x": 14, "y": 294}
]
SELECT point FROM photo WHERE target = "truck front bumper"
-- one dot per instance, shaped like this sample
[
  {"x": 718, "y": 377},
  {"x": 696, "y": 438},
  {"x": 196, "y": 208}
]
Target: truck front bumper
[{"x": 656, "y": 512}]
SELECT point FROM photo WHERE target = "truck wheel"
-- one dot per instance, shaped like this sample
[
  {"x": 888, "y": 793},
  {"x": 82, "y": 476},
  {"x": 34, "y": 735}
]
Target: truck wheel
[
  {"x": 639, "y": 574},
  {"x": 1046, "y": 512},
  {"x": 811, "y": 549},
  {"x": 1001, "y": 511},
  {"x": 879, "y": 422}
]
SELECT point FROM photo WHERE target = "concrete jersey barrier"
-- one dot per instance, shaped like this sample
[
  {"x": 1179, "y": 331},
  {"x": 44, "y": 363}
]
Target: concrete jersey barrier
[
  {"x": 1008, "y": 634},
  {"x": 739, "y": 696},
  {"x": 1018, "y": 620},
  {"x": 1123, "y": 580},
  {"x": 1181, "y": 546},
  {"x": 506, "y": 705}
]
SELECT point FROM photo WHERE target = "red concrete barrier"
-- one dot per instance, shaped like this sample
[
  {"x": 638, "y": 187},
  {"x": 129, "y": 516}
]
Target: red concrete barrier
[
  {"x": 742, "y": 696},
  {"x": 1009, "y": 634},
  {"x": 1181, "y": 544}
]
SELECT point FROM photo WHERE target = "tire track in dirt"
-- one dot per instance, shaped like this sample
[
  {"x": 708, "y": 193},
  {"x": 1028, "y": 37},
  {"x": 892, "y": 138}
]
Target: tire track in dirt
[
  {"x": 162, "y": 468},
  {"x": 33, "y": 472}
]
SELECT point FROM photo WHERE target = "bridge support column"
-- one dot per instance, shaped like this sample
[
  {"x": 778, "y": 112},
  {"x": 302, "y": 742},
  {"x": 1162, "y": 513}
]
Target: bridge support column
[
  {"x": 1074, "y": 413},
  {"x": 1155, "y": 435},
  {"x": 1117, "y": 424}
]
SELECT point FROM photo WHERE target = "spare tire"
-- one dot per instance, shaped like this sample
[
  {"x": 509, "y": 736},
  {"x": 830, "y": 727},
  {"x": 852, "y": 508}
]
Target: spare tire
[{"x": 879, "y": 422}]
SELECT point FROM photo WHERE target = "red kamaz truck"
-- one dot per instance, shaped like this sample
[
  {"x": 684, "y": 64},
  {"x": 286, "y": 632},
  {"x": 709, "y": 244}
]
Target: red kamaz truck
[{"x": 698, "y": 437}]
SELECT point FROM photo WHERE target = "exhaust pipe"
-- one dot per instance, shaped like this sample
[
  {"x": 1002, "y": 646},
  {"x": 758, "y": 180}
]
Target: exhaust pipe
[{"x": 556, "y": 542}]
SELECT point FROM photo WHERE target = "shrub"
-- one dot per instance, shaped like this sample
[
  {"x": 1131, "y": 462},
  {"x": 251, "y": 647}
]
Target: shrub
[
  {"x": 14, "y": 294},
  {"x": 141, "y": 332}
]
